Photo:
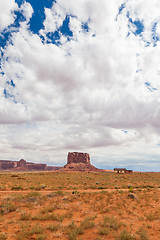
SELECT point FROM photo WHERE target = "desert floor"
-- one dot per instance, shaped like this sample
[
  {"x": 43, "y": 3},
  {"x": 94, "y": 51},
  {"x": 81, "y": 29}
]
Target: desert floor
[{"x": 79, "y": 205}]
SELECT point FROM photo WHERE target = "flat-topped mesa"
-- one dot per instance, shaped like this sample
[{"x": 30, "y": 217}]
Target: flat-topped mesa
[
  {"x": 77, "y": 161},
  {"x": 77, "y": 157}
]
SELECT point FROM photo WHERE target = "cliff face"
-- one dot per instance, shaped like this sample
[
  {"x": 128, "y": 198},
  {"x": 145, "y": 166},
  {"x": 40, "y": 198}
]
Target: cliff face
[
  {"x": 76, "y": 157},
  {"x": 79, "y": 162},
  {"x": 37, "y": 167},
  {"x": 4, "y": 165}
]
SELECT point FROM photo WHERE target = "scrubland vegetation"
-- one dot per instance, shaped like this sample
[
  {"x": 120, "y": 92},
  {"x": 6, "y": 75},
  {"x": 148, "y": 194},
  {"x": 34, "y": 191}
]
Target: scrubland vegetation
[{"x": 80, "y": 206}]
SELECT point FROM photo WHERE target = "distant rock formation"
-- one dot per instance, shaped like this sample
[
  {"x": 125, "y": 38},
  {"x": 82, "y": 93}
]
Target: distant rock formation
[
  {"x": 4, "y": 164},
  {"x": 77, "y": 161},
  {"x": 23, "y": 165},
  {"x": 77, "y": 157}
]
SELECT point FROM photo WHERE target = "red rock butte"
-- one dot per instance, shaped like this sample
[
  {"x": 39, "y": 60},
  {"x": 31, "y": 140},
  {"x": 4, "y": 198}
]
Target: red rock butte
[
  {"x": 76, "y": 157},
  {"x": 77, "y": 161}
]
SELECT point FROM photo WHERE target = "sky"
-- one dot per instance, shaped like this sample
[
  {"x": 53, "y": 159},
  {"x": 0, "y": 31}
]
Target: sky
[{"x": 81, "y": 76}]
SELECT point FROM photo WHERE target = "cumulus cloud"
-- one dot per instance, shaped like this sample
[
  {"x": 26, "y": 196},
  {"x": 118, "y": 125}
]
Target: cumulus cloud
[
  {"x": 95, "y": 90},
  {"x": 27, "y": 10},
  {"x": 7, "y": 8}
]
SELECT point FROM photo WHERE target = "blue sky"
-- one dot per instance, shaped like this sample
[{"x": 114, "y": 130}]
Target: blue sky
[{"x": 80, "y": 76}]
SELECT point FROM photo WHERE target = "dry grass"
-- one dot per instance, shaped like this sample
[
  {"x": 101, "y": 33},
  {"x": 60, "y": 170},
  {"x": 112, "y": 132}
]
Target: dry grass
[
  {"x": 82, "y": 180},
  {"x": 69, "y": 213}
]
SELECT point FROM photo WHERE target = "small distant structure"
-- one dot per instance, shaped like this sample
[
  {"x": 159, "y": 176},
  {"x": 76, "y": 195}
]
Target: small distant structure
[{"x": 122, "y": 170}]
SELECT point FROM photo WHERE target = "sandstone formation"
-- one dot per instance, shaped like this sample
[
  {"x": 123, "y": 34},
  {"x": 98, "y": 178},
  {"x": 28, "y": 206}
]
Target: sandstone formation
[
  {"x": 77, "y": 161},
  {"x": 76, "y": 157},
  {"x": 6, "y": 164},
  {"x": 22, "y": 165}
]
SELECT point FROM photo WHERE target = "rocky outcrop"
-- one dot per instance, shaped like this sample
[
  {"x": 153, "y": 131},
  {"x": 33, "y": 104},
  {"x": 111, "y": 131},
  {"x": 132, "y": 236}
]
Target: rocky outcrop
[
  {"x": 77, "y": 161},
  {"x": 4, "y": 164},
  {"x": 23, "y": 165}
]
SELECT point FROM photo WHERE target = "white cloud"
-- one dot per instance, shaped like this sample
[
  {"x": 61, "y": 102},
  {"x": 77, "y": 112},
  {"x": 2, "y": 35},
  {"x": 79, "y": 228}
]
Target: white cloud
[
  {"x": 27, "y": 10},
  {"x": 81, "y": 94},
  {"x": 7, "y": 7}
]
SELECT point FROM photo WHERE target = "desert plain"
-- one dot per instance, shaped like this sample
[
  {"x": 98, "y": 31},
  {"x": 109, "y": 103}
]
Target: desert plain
[{"x": 79, "y": 205}]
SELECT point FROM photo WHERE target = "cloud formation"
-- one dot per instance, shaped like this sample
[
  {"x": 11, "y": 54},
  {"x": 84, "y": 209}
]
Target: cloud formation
[{"x": 88, "y": 80}]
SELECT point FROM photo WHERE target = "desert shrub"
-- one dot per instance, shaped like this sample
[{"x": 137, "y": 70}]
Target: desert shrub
[
  {"x": 17, "y": 188},
  {"x": 59, "y": 193},
  {"x": 41, "y": 237},
  {"x": 27, "y": 231},
  {"x": 37, "y": 229},
  {"x": 87, "y": 223},
  {"x": 101, "y": 187},
  {"x": 24, "y": 216},
  {"x": 53, "y": 228},
  {"x": 103, "y": 231},
  {"x": 33, "y": 194},
  {"x": 111, "y": 222},
  {"x": 7, "y": 208},
  {"x": 73, "y": 231},
  {"x": 14, "y": 175},
  {"x": 124, "y": 235},
  {"x": 130, "y": 189},
  {"x": 75, "y": 192},
  {"x": 150, "y": 217},
  {"x": 3, "y": 236},
  {"x": 68, "y": 214},
  {"x": 58, "y": 218},
  {"x": 73, "y": 234},
  {"x": 46, "y": 217},
  {"x": 23, "y": 232},
  {"x": 142, "y": 233},
  {"x": 40, "y": 217}
]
